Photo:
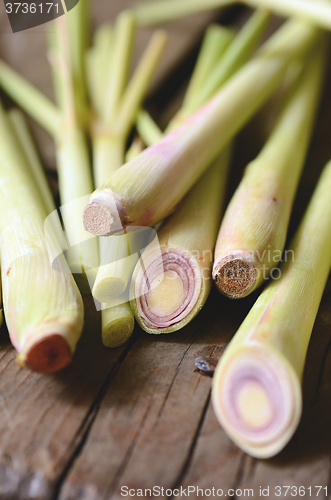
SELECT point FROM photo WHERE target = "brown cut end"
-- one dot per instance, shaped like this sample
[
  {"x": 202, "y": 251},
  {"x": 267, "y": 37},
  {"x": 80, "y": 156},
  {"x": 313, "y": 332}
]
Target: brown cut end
[
  {"x": 235, "y": 277},
  {"x": 49, "y": 355},
  {"x": 98, "y": 219}
]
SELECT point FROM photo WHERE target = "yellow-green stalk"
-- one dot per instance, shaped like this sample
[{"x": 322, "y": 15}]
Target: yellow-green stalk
[
  {"x": 110, "y": 130},
  {"x": 257, "y": 384},
  {"x": 253, "y": 231},
  {"x": 151, "y": 13},
  {"x": 172, "y": 280},
  {"x": 220, "y": 71},
  {"x": 43, "y": 307},
  {"x": 148, "y": 188},
  {"x": 24, "y": 137},
  {"x": 74, "y": 169},
  {"x": 75, "y": 178}
]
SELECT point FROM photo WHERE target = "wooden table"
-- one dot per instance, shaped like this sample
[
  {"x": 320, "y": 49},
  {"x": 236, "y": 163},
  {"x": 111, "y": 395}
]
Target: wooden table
[{"x": 139, "y": 415}]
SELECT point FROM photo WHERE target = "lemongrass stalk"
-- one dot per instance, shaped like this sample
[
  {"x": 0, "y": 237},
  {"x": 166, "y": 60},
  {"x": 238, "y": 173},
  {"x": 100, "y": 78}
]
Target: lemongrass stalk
[
  {"x": 151, "y": 13},
  {"x": 215, "y": 43},
  {"x": 140, "y": 81},
  {"x": 317, "y": 12},
  {"x": 239, "y": 52},
  {"x": 253, "y": 232},
  {"x": 117, "y": 325},
  {"x": 148, "y": 130},
  {"x": 79, "y": 35},
  {"x": 31, "y": 154},
  {"x": 30, "y": 99},
  {"x": 74, "y": 170},
  {"x": 136, "y": 147},
  {"x": 147, "y": 189},
  {"x": 43, "y": 307},
  {"x": 171, "y": 282},
  {"x": 109, "y": 154},
  {"x": 98, "y": 58},
  {"x": 124, "y": 32},
  {"x": 257, "y": 384}
]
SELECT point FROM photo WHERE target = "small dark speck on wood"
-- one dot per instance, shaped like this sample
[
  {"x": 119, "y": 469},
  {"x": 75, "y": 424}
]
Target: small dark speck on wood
[{"x": 206, "y": 366}]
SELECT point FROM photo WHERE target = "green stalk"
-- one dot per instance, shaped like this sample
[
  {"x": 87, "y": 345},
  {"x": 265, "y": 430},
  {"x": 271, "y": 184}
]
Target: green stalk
[
  {"x": 147, "y": 128},
  {"x": 110, "y": 156},
  {"x": 98, "y": 58},
  {"x": 151, "y": 13},
  {"x": 172, "y": 281},
  {"x": 124, "y": 33},
  {"x": 240, "y": 51},
  {"x": 109, "y": 137},
  {"x": 257, "y": 384},
  {"x": 74, "y": 170},
  {"x": 140, "y": 82},
  {"x": 148, "y": 188},
  {"x": 253, "y": 232},
  {"x": 30, "y": 99},
  {"x": 43, "y": 308},
  {"x": 215, "y": 43},
  {"x": 79, "y": 35},
  {"x": 24, "y": 137}
]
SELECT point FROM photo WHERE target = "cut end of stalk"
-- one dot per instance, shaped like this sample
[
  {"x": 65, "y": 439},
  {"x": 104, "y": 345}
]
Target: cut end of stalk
[
  {"x": 257, "y": 399},
  {"x": 108, "y": 288},
  {"x": 48, "y": 355},
  {"x": 98, "y": 219},
  {"x": 166, "y": 291},
  {"x": 118, "y": 332},
  {"x": 235, "y": 275}
]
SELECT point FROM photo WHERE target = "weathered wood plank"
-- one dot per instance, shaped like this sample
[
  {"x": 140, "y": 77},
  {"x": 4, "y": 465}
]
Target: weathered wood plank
[
  {"x": 42, "y": 417},
  {"x": 153, "y": 408}
]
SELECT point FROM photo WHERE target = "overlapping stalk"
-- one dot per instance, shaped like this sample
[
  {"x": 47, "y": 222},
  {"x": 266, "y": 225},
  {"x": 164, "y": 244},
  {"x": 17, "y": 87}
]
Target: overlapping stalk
[
  {"x": 253, "y": 232},
  {"x": 150, "y": 13},
  {"x": 64, "y": 124},
  {"x": 172, "y": 280},
  {"x": 226, "y": 66},
  {"x": 43, "y": 307},
  {"x": 257, "y": 384},
  {"x": 112, "y": 125},
  {"x": 147, "y": 189}
]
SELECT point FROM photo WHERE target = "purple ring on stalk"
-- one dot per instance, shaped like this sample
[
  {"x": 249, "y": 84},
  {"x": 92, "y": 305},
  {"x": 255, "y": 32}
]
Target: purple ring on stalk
[{"x": 257, "y": 399}]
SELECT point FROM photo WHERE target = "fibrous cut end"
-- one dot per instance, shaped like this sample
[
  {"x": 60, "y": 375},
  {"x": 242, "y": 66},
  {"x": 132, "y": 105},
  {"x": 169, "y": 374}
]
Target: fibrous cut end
[
  {"x": 48, "y": 355},
  {"x": 235, "y": 276},
  {"x": 98, "y": 219}
]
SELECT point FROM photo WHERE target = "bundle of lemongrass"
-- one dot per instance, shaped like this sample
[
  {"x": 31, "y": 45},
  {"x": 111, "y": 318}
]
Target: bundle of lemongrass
[{"x": 179, "y": 181}]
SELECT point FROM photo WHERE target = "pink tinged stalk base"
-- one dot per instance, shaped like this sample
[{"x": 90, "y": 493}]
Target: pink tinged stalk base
[
  {"x": 172, "y": 280},
  {"x": 148, "y": 188},
  {"x": 257, "y": 383}
]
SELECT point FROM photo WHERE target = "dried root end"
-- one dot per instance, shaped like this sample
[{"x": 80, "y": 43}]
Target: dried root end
[
  {"x": 98, "y": 219},
  {"x": 48, "y": 355},
  {"x": 235, "y": 277}
]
